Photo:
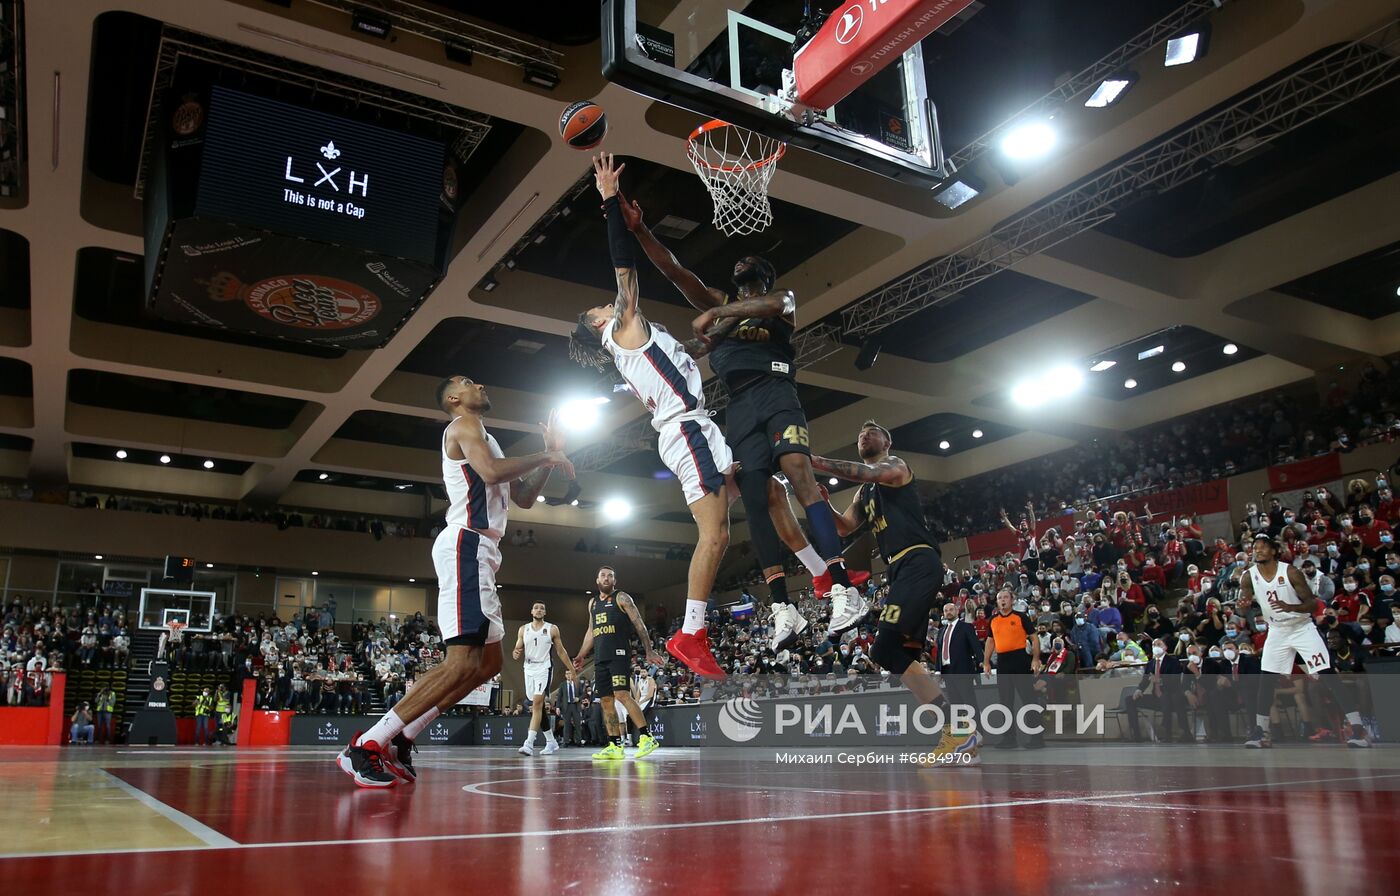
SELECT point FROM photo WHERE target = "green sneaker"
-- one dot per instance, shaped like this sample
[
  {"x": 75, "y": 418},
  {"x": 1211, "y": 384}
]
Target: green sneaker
[
  {"x": 611, "y": 751},
  {"x": 646, "y": 746}
]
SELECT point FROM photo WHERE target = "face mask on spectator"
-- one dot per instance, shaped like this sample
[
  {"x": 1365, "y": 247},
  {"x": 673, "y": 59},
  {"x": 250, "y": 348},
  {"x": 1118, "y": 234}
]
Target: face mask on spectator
[
  {"x": 1387, "y": 588},
  {"x": 1261, "y": 626},
  {"x": 1349, "y": 586},
  {"x": 1366, "y": 628},
  {"x": 1157, "y": 649},
  {"x": 1364, "y": 566},
  {"x": 1183, "y": 637},
  {"x": 1387, "y": 538},
  {"x": 1079, "y": 620},
  {"x": 1229, "y": 654},
  {"x": 1231, "y": 631},
  {"x": 1194, "y": 659},
  {"x": 1345, "y": 522},
  {"x": 1332, "y": 550}
]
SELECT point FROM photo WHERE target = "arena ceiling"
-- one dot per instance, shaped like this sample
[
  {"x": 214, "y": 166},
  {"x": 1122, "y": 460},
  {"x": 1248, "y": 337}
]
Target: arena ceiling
[{"x": 1289, "y": 252}]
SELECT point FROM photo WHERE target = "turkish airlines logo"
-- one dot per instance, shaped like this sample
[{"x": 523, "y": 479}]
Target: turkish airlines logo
[{"x": 848, "y": 26}]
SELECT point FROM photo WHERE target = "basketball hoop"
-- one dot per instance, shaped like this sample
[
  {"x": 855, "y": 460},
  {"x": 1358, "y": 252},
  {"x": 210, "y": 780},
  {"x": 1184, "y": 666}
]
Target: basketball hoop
[{"x": 736, "y": 165}]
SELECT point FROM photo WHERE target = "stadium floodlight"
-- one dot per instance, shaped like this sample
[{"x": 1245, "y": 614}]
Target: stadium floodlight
[
  {"x": 1102, "y": 366},
  {"x": 208, "y": 465},
  {"x": 1029, "y": 141},
  {"x": 121, "y": 454},
  {"x": 944, "y": 445},
  {"x": 1230, "y": 348},
  {"x": 1187, "y": 46},
  {"x": 617, "y": 509},
  {"x": 977, "y": 433},
  {"x": 1110, "y": 91},
  {"x": 1130, "y": 384},
  {"x": 1151, "y": 352},
  {"x": 580, "y": 414},
  {"x": 1178, "y": 367},
  {"x": 165, "y": 458}
]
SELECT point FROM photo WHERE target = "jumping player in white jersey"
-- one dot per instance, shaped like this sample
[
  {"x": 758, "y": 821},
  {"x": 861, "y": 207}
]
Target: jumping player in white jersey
[
  {"x": 481, "y": 482},
  {"x": 663, "y": 375},
  {"x": 1282, "y": 593},
  {"x": 534, "y": 643}
]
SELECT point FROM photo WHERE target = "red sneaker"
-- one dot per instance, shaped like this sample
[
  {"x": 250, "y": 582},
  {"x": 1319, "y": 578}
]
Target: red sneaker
[
  {"x": 694, "y": 651},
  {"x": 822, "y": 584},
  {"x": 1322, "y": 734}
]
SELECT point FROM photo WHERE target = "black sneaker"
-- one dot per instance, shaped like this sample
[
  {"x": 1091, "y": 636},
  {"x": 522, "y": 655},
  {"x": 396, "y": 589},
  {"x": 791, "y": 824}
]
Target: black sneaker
[
  {"x": 365, "y": 764},
  {"x": 399, "y": 758},
  {"x": 1259, "y": 739}
]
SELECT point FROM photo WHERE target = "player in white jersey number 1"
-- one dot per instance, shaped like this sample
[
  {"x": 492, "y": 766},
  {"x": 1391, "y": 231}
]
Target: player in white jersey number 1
[
  {"x": 481, "y": 483},
  {"x": 1282, "y": 593},
  {"x": 534, "y": 643}
]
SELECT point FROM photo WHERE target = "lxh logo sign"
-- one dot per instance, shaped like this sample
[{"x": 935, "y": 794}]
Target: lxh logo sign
[{"x": 330, "y": 173}]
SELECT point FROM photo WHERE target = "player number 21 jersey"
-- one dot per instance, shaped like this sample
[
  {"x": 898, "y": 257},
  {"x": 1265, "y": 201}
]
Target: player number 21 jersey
[{"x": 1278, "y": 586}]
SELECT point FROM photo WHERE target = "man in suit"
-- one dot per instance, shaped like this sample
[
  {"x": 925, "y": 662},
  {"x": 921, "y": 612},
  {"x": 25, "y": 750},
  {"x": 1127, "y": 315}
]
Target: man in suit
[
  {"x": 1161, "y": 688},
  {"x": 959, "y": 657},
  {"x": 570, "y": 692}
]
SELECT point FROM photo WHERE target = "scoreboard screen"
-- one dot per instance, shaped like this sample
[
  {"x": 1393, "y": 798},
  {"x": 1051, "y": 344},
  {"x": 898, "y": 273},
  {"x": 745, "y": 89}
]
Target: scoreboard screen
[{"x": 306, "y": 173}]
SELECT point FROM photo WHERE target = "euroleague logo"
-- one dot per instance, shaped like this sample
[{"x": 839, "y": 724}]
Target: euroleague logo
[
  {"x": 307, "y": 301},
  {"x": 848, "y": 26},
  {"x": 740, "y": 719}
]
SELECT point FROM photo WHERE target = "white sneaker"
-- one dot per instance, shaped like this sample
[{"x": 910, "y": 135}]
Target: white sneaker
[
  {"x": 527, "y": 748},
  {"x": 788, "y": 623},
  {"x": 847, "y": 609}
]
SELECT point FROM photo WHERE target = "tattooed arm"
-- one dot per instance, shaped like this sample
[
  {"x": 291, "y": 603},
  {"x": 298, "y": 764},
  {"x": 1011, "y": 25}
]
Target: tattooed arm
[{"x": 890, "y": 471}]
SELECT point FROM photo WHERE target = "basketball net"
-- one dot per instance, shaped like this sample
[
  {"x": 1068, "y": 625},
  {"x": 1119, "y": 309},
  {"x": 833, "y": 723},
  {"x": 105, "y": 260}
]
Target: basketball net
[{"x": 736, "y": 165}]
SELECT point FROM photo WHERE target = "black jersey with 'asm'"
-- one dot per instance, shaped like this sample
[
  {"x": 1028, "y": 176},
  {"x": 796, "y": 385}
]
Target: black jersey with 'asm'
[{"x": 896, "y": 517}]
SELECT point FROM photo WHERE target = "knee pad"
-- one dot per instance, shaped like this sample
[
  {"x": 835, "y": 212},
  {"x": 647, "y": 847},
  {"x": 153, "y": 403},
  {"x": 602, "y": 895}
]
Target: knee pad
[{"x": 891, "y": 652}]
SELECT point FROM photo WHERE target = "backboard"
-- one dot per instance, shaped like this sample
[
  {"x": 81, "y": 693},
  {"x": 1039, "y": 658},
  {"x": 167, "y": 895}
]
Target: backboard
[{"x": 733, "y": 60}]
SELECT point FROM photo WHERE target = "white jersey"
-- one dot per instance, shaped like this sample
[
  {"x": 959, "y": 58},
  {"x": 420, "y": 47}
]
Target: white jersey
[
  {"x": 660, "y": 374},
  {"x": 538, "y": 644},
  {"x": 1282, "y": 589},
  {"x": 471, "y": 503}
]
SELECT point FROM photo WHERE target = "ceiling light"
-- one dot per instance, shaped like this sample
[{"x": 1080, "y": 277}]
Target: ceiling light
[
  {"x": 97, "y": 556},
  {"x": 371, "y": 25},
  {"x": 573, "y": 503},
  {"x": 1230, "y": 348},
  {"x": 315, "y": 573},
  {"x": 121, "y": 454},
  {"x": 489, "y": 284},
  {"x": 1130, "y": 384},
  {"x": 1102, "y": 366},
  {"x": 539, "y": 499},
  {"x": 580, "y": 414},
  {"x": 1110, "y": 91},
  {"x": 958, "y": 193},
  {"x": 1187, "y": 46},
  {"x": 1154, "y": 350},
  {"x": 832, "y": 481},
  {"x": 1029, "y": 141},
  {"x": 208, "y": 465},
  {"x": 617, "y": 509},
  {"x": 1028, "y": 394},
  {"x": 165, "y": 458},
  {"x": 977, "y": 433},
  {"x": 541, "y": 77},
  {"x": 324, "y": 476},
  {"x": 404, "y": 485},
  {"x": 208, "y": 566},
  {"x": 943, "y": 445},
  {"x": 411, "y": 581},
  {"x": 1178, "y": 366}
]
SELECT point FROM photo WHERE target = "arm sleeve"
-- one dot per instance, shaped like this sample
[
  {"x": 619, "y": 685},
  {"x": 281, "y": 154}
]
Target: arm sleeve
[{"x": 621, "y": 245}]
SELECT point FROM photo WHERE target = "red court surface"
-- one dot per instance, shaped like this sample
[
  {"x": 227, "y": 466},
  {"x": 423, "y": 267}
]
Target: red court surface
[{"x": 1060, "y": 821}]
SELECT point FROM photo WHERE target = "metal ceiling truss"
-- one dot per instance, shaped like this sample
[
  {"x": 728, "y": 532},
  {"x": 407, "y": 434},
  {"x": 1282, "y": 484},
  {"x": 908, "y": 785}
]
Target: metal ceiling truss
[
  {"x": 436, "y": 24},
  {"x": 469, "y": 127},
  {"x": 1283, "y": 105},
  {"x": 1115, "y": 62}
]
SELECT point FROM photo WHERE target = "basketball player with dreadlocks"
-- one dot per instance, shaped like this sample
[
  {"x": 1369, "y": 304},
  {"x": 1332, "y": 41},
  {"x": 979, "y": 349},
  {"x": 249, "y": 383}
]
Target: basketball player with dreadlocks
[
  {"x": 1283, "y": 595},
  {"x": 888, "y": 502},
  {"x": 767, "y": 427},
  {"x": 664, "y": 376}
]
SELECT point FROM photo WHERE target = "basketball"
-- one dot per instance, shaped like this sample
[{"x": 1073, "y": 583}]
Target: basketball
[{"x": 583, "y": 125}]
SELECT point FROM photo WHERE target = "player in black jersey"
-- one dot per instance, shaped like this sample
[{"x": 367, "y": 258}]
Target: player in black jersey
[
  {"x": 766, "y": 428},
  {"x": 888, "y": 502},
  {"x": 607, "y": 633}
]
